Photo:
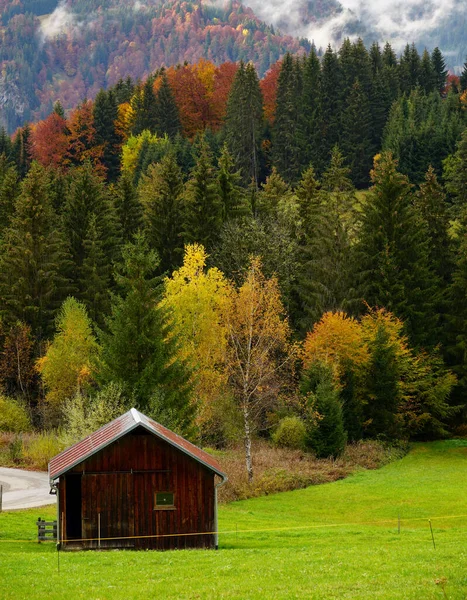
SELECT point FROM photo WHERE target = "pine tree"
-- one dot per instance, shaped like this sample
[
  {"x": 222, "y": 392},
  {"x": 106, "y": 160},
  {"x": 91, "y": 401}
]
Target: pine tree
[
  {"x": 463, "y": 78},
  {"x": 330, "y": 102},
  {"x": 440, "y": 71},
  {"x": 357, "y": 143},
  {"x": 128, "y": 208},
  {"x": 383, "y": 394},
  {"x": 105, "y": 114},
  {"x": 231, "y": 194},
  {"x": 34, "y": 259},
  {"x": 9, "y": 190},
  {"x": 160, "y": 193},
  {"x": 201, "y": 201},
  {"x": 310, "y": 109},
  {"x": 287, "y": 140},
  {"x": 94, "y": 275},
  {"x": 393, "y": 254},
  {"x": 327, "y": 438},
  {"x": 432, "y": 203},
  {"x": 88, "y": 197},
  {"x": 166, "y": 110},
  {"x": 137, "y": 352},
  {"x": 244, "y": 122},
  {"x": 427, "y": 73}
]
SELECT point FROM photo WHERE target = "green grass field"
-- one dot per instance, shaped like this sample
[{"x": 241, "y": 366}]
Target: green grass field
[{"x": 338, "y": 540}]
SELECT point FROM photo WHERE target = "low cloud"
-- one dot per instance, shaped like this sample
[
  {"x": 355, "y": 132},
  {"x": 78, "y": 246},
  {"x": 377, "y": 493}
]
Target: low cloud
[
  {"x": 61, "y": 21},
  {"x": 392, "y": 20}
]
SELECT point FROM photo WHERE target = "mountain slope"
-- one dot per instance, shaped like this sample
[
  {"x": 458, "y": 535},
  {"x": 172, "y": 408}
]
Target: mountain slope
[{"x": 84, "y": 45}]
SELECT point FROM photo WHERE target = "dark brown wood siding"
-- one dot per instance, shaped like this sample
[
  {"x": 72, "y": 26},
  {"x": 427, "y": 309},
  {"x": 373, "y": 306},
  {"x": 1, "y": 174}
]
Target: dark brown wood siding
[{"x": 118, "y": 487}]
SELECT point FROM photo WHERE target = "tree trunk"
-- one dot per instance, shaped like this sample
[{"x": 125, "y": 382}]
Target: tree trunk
[{"x": 249, "y": 463}]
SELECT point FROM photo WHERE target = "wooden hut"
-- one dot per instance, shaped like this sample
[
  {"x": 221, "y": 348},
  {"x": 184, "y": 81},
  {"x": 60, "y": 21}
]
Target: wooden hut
[{"x": 135, "y": 484}]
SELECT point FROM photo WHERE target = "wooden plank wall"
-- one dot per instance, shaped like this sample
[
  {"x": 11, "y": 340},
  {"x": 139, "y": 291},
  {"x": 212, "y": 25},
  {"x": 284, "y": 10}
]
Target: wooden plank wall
[{"x": 126, "y": 501}]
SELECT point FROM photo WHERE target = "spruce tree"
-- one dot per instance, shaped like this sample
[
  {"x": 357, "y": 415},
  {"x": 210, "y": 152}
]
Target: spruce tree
[
  {"x": 440, "y": 71},
  {"x": 463, "y": 78},
  {"x": 244, "y": 122},
  {"x": 88, "y": 197},
  {"x": 145, "y": 107},
  {"x": 310, "y": 109},
  {"x": 287, "y": 131},
  {"x": 128, "y": 208},
  {"x": 409, "y": 69},
  {"x": 455, "y": 177},
  {"x": 427, "y": 73},
  {"x": 357, "y": 143},
  {"x": 231, "y": 194},
  {"x": 105, "y": 114},
  {"x": 383, "y": 394},
  {"x": 393, "y": 254},
  {"x": 201, "y": 201},
  {"x": 166, "y": 110},
  {"x": 34, "y": 260},
  {"x": 330, "y": 103},
  {"x": 160, "y": 193},
  {"x": 327, "y": 438},
  {"x": 138, "y": 351},
  {"x": 9, "y": 190}
]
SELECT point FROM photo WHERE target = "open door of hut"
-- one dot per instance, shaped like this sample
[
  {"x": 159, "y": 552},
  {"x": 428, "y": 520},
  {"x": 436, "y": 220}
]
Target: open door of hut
[{"x": 108, "y": 518}]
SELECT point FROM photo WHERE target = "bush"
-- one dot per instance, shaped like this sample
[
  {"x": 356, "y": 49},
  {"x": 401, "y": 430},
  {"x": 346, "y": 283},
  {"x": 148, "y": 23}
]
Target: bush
[
  {"x": 15, "y": 449},
  {"x": 42, "y": 448},
  {"x": 84, "y": 415},
  {"x": 13, "y": 416},
  {"x": 291, "y": 433}
]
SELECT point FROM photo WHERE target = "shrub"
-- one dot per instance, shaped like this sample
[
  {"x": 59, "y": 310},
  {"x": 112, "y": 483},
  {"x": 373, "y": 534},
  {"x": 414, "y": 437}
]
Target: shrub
[
  {"x": 13, "y": 416},
  {"x": 15, "y": 449},
  {"x": 291, "y": 433},
  {"x": 84, "y": 415},
  {"x": 42, "y": 448}
]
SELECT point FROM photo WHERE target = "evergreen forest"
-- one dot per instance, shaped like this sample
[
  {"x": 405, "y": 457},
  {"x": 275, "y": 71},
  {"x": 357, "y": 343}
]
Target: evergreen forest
[{"x": 236, "y": 256}]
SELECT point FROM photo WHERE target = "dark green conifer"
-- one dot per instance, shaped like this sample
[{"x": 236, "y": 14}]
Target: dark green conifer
[
  {"x": 105, "y": 114},
  {"x": 427, "y": 73},
  {"x": 34, "y": 259},
  {"x": 9, "y": 190},
  {"x": 244, "y": 122},
  {"x": 231, "y": 194},
  {"x": 331, "y": 102},
  {"x": 439, "y": 67},
  {"x": 128, "y": 208},
  {"x": 202, "y": 205},
  {"x": 167, "y": 117},
  {"x": 138, "y": 349},
  {"x": 160, "y": 192},
  {"x": 463, "y": 78},
  {"x": 393, "y": 254}
]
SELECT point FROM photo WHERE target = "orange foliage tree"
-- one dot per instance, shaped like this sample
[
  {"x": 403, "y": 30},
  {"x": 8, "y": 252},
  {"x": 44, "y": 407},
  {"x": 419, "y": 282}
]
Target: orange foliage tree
[{"x": 49, "y": 141}]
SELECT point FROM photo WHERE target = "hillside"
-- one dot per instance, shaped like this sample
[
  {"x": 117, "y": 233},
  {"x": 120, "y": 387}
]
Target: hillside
[
  {"x": 69, "y": 51},
  {"x": 331, "y": 541}
]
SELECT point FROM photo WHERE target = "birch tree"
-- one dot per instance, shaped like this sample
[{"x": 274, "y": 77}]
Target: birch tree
[{"x": 258, "y": 349}]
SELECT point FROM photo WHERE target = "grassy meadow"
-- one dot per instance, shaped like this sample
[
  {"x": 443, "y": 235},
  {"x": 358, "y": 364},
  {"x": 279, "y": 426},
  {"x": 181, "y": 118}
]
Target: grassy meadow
[{"x": 338, "y": 540}]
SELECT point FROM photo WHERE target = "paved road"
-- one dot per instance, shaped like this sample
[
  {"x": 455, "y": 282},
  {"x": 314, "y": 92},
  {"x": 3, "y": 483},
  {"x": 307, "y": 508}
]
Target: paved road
[{"x": 24, "y": 489}]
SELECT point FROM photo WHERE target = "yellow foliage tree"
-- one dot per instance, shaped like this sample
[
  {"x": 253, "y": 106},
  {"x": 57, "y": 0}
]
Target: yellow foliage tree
[
  {"x": 67, "y": 366},
  {"x": 195, "y": 300},
  {"x": 258, "y": 350}
]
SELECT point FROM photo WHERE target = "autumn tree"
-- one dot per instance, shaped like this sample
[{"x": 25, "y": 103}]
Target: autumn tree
[
  {"x": 49, "y": 141},
  {"x": 69, "y": 361},
  {"x": 195, "y": 299},
  {"x": 17, "y": 372},
  {"x": 258, "y": 349}
]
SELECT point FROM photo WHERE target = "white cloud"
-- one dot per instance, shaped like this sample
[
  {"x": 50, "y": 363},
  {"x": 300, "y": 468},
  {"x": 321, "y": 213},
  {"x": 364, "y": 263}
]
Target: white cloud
[
  {"x": 62, "y": 20},
  {"x": 387, "y": 20}
]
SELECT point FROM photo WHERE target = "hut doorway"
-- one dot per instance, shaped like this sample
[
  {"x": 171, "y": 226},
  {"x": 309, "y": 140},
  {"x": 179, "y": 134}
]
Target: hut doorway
[{"x": 73, "y": 506}]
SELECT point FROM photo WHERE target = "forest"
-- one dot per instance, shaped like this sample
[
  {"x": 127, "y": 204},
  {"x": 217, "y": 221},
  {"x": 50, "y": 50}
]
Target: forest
[{"x": 283, "y": 257}]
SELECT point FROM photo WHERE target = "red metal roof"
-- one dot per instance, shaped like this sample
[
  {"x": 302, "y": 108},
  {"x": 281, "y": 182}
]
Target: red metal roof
[{"x": 116, "y": 429}]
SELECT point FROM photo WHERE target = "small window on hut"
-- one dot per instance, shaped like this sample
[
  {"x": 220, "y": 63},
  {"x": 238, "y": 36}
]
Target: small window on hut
[{"x": 164, "y": 501}]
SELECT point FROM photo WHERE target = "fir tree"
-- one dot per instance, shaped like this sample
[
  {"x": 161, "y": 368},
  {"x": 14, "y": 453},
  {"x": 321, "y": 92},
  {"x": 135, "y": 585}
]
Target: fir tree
[
  {"x": 137, "y": 351},
  {"x": 231, "y": 194},
  {"x": 327, "y": 438},
  {"x": 244, "y": 122},
  {"x": 34, "y": 260},
  {"x": 166, "y": 110},
  {"x": 145, "y": 108},
  {"x": 427, "y": 73},
  {"x": 310, "y": 109},
  {"x": 128, "y": 208},
  {"x": 409, "y": 69},
  {"x": 286, "y": 130},
  {"x": 105, "y": 114},
  {"x": 382, "y": 388},
  {"x": 330, "y": 102},
  {"x": 160, "y": 193},
  {"x": 9, "y": 190},
  {"x": 357, "y": 142},
  {"x": 393, "y": 254},
  {"x": 440, "y": 71},
  {"x": 202, "y": 204},
  {"x": 463, "y": 78}
]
